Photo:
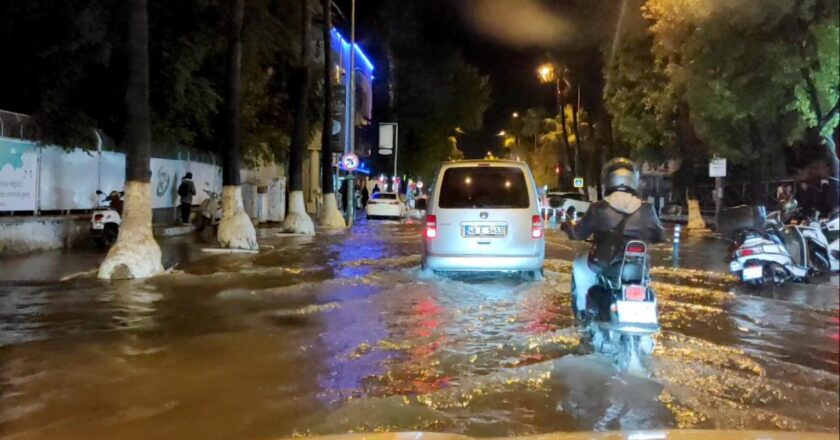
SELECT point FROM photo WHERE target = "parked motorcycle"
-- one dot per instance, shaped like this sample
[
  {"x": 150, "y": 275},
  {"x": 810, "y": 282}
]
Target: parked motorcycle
[
  {"x": 622, "y": 311},
  {"x": 210, "y": 211},
  {"x": 105, "y": 220},
  {"x": 765, "y": 250}
]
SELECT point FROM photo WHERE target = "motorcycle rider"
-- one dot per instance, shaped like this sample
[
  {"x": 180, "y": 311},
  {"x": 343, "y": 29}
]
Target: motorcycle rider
[{"x": 621, "y": 216}]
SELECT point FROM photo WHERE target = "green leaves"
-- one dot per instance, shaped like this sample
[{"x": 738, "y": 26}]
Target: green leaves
[{"x": 728, "y": 62}]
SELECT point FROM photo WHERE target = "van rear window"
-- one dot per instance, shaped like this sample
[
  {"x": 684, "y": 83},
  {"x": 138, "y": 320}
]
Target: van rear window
[{"x": 485, "y": 187}]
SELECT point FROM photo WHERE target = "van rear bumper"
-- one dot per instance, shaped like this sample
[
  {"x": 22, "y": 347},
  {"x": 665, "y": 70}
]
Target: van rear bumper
[{"x": 482, "y": 263}]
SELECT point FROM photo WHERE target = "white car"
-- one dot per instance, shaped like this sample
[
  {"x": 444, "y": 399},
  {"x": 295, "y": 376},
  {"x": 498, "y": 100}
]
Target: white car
[
  {"x": 385, "y": 204},
  {"x": 566, "y": 203}
]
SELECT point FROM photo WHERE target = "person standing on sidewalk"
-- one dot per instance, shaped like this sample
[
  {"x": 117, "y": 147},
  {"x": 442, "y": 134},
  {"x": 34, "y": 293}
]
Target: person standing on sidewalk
[{"x": 186, "y": 191}]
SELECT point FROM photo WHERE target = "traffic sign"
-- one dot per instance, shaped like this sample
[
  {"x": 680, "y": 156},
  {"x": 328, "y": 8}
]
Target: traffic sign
[
  {"x": 717, "y": 168},
  {"x": 578, "y": 182},
  {"x": 349, "y": 161}
]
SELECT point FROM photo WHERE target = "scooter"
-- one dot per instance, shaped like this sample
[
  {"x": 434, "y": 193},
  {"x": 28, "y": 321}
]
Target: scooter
[
  {"x": 760, "y": 258},
  {"x": 815, "y": 250},
  {"x": 210, "y": 211},
  {"x": 106, "y": 220},
  {"x": 622, "y": 309},
  {"x": 831, "y": 229}
]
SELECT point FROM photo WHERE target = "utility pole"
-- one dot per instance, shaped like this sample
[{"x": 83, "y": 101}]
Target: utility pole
[{"x": 351, "y": 146}]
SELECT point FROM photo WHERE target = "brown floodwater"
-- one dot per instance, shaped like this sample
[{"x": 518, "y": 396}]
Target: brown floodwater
[{"x": 341, "y": 333}]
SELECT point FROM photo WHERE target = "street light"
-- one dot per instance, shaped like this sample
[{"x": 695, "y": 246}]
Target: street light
[
  {"x": 515, "y": 115},
  {"x": 501, "y": 133},
  {"x": 545, "y": 73}
]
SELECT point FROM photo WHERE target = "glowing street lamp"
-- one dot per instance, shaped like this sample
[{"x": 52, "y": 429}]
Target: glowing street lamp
[
  {"x": 546, "y": 73},
  {"x": 501, "y": 133},
  {"x": 515, "y": 115}
]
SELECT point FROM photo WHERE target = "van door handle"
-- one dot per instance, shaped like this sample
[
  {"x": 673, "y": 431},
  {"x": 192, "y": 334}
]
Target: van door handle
[{"x": 483, "y": 242}]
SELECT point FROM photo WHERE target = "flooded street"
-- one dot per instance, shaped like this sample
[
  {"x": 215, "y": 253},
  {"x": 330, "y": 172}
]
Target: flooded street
[{"x": 342, "y": 332}]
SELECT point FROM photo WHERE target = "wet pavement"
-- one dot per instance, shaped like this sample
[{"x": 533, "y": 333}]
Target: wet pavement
[{"x": 341, "y": 332}]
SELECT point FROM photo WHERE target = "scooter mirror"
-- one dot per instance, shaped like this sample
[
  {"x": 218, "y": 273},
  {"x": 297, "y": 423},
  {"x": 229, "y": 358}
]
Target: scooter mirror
[
  {"x": 99, "y": 192},
  {"x": 122, "y": 193}
]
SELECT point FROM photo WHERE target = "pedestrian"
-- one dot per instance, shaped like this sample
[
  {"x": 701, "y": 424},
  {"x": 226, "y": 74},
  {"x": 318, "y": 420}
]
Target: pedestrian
[
  {"x": 780, "y": 192},
  {"x": 365, "y": 196},
  {"x": 343, "y": 191},
  {"x": 805, "y": 198},
  {"x": 186, "y": 191},
  {"x": 375, "y": 189}
]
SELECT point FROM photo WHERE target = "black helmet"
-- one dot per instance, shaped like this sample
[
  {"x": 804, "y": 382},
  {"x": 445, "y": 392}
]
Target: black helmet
[{"x": 620, "y": 174}]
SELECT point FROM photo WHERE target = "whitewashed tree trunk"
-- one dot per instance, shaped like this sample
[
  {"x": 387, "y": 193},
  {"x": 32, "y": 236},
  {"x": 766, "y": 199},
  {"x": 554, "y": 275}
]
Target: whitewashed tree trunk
[
  {"x": 236, "y": 231},
  {"x": 695, "y": 220},
  {"x": 298, "y": 221},
  {"x": 135, "y": 254},
  {"x": 331, "y": 217}
]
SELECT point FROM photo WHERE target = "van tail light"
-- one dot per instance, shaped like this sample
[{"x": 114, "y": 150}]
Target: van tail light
[
  {"x": 745, "y": 252},
  {"x": 431, "y": 227},
  {"x": 536, "y": 227},
  {"x": 97, "y": 217}
]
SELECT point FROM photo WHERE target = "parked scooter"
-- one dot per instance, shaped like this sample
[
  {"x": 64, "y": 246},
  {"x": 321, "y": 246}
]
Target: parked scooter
[
  {"x": 831, "y": 229},
  {"x": 106, "y": 220},
  {"x": 765, "y": 250},
  {"x": 815, "y": 250},
  {"x": 210, "y": 211},
  {"x": 622, "y": 309}
]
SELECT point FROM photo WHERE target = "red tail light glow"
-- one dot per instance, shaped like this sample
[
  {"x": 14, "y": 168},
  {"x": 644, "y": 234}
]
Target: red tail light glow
[
  {"x": 636, "y": 248},
  {"x": 431, "y": 227},
  {"x": 536, "y": 227},
  {"x": 634, "y": 293},
  {"x": 97, "y": 217},
  {"x": 745, "y": 252}
]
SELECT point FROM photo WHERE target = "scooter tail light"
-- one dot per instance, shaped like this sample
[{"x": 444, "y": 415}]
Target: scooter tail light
[
  {"x": 536, "y": 227},
  {"x": 431, "y": 226},
  {"x": 634, "y": 293},
  {"x": 636, "y": 248}
]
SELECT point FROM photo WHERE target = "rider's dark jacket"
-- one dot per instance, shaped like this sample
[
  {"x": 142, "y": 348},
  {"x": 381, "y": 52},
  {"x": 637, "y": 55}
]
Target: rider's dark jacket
[{"x": 603, "y": 216}]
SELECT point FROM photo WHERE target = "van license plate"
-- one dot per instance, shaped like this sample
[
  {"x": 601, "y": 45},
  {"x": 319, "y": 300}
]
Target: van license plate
[
  {"x": 636, "y": 312},
  {"x": 98, "y": 226},
  {"x": 484, "y": 231},
  {"x": 752, "y": 273}
]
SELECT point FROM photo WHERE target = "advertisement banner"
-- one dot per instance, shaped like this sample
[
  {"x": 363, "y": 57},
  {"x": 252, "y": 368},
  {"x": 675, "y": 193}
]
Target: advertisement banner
[
  {"x": 18, "y": 174},
  {"x": 339, "y": 119}
]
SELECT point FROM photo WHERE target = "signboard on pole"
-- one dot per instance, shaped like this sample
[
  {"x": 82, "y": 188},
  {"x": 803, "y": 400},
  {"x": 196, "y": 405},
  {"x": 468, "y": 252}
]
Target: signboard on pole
[
  {"x": 578, "y": 182},
  {"x": 387, "y": 138},
  {"x": 717, "y": 167}
]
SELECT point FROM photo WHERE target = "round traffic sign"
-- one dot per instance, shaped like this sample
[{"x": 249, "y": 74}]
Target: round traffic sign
[{"x": 350, "y": 161}]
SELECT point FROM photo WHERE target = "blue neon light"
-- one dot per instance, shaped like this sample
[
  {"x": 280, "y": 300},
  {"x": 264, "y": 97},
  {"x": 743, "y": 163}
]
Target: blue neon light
[{"x": 358, "y": 50}]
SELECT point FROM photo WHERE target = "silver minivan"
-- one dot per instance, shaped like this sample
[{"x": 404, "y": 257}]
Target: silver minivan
[{"x": 484, "y": 215}]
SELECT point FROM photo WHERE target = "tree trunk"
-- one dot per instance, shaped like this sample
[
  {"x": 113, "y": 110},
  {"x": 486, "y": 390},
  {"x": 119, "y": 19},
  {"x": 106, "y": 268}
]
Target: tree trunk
[
  {"x": 756, "y": 171},
  {"x": 298, "y": 220},
  {"x": 236, "y": 231},
  {"x": 330, "y": 215},
  {"x": 834, "y": 178},
  {"x": 136, "y": 254},
  {"x": 567, "y": 160}
]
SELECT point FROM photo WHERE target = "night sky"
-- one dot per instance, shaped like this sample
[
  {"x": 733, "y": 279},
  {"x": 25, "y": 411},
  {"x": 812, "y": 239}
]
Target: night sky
[{"x": 510, "y": 65}]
